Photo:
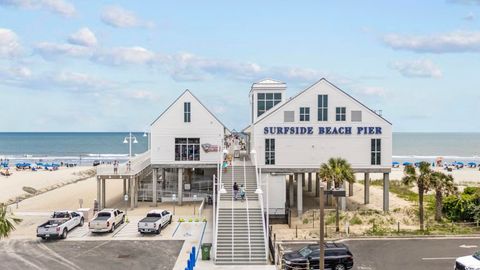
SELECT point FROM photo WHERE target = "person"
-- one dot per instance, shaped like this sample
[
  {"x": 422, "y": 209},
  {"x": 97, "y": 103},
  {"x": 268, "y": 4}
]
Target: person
[
  {"x": 235, "y": 191},
  {"x": 242, "y": 192},
  {"x": 115, "y": 167},
  {"x": 129, "y": 166}
]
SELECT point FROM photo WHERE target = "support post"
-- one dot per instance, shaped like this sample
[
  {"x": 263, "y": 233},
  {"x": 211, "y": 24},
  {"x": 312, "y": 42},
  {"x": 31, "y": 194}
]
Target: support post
[
  {"x": 131, "y": 192},
  {"x": 154, "y": 187},
  {"x": 99, "y": 193},
  {"x": 300, "y": 178},
  {"x": 386, "y": 187},
  {"x": 180, "y": 186},
  {"x": 317, "y": 185},
  {"x": 350, "y": 189},
  {"x": 290, "y": 191},
  {"x": 124, "y": 187},
  {"x": 329, "y": 196},
  {"x": 104, "y": 204},
  {"x": 309, "y": 183},
  {"x": 366, "y": 189}
]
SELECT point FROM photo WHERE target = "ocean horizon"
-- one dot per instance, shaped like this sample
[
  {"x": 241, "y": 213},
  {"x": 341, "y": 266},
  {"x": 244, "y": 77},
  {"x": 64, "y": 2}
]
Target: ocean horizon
[{"x": 84, "y": 147}]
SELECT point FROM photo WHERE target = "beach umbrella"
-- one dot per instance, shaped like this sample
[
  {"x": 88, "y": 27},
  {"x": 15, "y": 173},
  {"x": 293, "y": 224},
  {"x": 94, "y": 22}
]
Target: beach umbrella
[
  {"x": 406, "y": 163},
  {"x": 472, "y": 164}
]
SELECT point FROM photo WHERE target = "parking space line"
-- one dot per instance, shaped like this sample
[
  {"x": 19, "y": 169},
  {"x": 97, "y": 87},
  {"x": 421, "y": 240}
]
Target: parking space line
[
  {"x": 119, "y": 229},
  {"x": 440, "y": 258},
  {"x": 180, "y": 223}
]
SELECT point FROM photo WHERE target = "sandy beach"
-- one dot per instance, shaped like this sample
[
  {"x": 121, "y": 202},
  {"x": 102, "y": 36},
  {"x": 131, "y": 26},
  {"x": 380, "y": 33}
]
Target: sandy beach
[
  {"x": 462, "y": 176},
  {"x": 12, "y": 186}
]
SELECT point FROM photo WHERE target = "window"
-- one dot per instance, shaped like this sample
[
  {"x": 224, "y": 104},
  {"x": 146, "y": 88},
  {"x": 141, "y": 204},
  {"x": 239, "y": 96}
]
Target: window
[
  {"x": 304, "y": 114},
  {"x": 322, "y": 108},
  {"x": 288, "y": 116},
  {"x": 265, "y": 101},
  {"x": 341, "y": 113},
  {"x": 376, "y": 146},
  {"x": 187, "y": 149},
  {"x": 356, "y": 116},
  {"x": 270, "y": 151},
  {"x": 186, "y": 112}
]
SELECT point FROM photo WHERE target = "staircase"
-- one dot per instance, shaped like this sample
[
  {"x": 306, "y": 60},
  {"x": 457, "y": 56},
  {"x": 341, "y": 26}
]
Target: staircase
[{"x": 241, "y": 234}]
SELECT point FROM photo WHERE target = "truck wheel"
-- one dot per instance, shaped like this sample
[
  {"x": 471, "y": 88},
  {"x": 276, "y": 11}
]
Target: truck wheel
[
  {"x": 64, "y": 234},
  {"x": 81, "y": 222},
  {"x": 123, "y": 219},
  {"x": 170, "y": 220},
  {"x": 158, "y": 231},
  {"x": 340, "y": 267},
  {"x": 113, "y": 228}
]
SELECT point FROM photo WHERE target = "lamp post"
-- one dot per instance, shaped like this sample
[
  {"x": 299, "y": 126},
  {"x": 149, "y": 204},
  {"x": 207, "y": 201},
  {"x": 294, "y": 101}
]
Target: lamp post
[
  {"x": 322, "y": 228},
  {"x": 130, "y": 139}
]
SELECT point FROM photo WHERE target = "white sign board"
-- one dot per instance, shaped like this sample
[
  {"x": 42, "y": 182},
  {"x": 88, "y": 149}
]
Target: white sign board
[{"x": 125, "y": 198}]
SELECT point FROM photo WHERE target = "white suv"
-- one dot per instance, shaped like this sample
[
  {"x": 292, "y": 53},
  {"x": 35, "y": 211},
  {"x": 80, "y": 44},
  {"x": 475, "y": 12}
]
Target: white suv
[{"x": 468, "y": 262}]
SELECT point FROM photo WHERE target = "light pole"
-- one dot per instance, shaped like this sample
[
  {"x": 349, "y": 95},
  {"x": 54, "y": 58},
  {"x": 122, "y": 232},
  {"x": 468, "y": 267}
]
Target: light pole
[
  {"x": 322, "y": 228},
  {"x": 130, "y": 139}
]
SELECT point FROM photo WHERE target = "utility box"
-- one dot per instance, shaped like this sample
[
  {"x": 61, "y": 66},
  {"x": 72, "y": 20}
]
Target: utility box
[{"x": 206, "y": 251}]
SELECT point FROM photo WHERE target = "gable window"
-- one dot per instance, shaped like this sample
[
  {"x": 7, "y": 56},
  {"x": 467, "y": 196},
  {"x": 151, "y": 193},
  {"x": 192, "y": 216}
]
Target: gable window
[
  {"x": 322, "y": 108},
  {"x": 269, "y": 151},
  {"x": 265, "y": 101},
  {"x": 187, "y": 149},
  {"x": 186, "y": 112},
  {"x": 376, "y": 150},
  {"x": 341, "y": 113},
  {"x": 304, "y": 114}
]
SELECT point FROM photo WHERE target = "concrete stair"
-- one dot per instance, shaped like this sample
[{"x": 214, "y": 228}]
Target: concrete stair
[{"x": 240, "y": 238}]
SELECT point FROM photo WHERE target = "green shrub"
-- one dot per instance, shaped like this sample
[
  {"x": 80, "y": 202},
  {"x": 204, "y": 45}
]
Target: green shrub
[
  {"x": 204, "y": 220},
  {"x": 356, "y": 220},
  {"x": 197, "y": 219},
  {"x": 305, "y": 221},
  {"x": 461, "y": 208},
  {"x": 190, "y": 220},
  {"x": 181, "y": 220},
  {"x": 471, "y": 190}
]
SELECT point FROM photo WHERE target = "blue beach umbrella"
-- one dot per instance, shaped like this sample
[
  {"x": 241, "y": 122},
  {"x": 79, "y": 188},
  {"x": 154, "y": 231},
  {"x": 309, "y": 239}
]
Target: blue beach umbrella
[{"x": 406, "y": 163}]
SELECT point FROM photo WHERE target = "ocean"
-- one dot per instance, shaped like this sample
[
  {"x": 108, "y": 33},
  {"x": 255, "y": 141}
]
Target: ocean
[{"x": 84, "y": 148}]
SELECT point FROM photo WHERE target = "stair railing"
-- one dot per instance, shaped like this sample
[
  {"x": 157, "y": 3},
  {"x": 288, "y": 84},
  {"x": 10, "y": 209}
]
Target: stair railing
[
  {"x": 258, "y": 175},
  {"x": 248, "y": 213},
  {"x": 233, "y": 195},
  {"x": 219, "y": 187}
]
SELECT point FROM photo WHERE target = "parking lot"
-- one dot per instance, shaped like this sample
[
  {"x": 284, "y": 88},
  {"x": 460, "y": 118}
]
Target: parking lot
[{"x": 102, "y": 254}]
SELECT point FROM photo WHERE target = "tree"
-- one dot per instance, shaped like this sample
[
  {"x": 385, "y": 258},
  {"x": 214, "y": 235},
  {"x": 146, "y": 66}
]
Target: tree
[
  {"x": 337, "y": 170},
  {"x": 7, "y": 221},
  {"x": 423, "y": 182},
  {"x": 443, "y": 185}
]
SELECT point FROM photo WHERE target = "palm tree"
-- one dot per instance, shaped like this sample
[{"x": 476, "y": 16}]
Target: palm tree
[
  {"x": 423, "y": 182},
  {"x": 337, "y": 170},
  {"x": 7, "y": 221},
  {"x": 443, "y": 185}
]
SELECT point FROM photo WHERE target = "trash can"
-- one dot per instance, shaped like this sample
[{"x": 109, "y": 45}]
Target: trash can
[{"x": 206, "y": 251}]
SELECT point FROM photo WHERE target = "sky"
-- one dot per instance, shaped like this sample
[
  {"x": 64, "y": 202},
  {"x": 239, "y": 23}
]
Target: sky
[{"x": 116, "y": 65}]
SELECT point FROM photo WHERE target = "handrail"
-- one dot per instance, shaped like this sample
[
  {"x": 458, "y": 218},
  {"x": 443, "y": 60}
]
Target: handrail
[
  {"x": 261, "y": 207},
  {"x": 233, "y": 227},
  {"x": 219, "y": 187},
  {"x": 248, "y": 213}
]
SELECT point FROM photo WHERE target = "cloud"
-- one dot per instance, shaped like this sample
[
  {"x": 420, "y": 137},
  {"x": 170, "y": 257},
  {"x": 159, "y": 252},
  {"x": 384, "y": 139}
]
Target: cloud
[
  {"x": 60, "y": 7},
  {"x": 373, "y": 91},
  {"x": 77, "y": 81},
  {"x": 49, "y": 50},
  {"x": 422, "y": 68},
  {"x": 125, "y": 55},
  {"x": 454, "y": 42},
  {"x": 122, "y": 18},
  {"x": 9, "y": 43},
  {"x": 83, "y": 37},
  {"x": 466, "y": 2},
  {"x": 469, "y": 17}
]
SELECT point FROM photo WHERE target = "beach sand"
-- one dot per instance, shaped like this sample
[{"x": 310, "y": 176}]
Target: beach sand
[
  {"x": 462, "y": 176},
  {"x": 12, "y": 186}
]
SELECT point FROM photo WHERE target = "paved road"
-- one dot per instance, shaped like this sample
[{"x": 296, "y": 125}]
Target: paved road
[
  {"x": 77, "y": 255},
  {"x": 411, "y": 254}
]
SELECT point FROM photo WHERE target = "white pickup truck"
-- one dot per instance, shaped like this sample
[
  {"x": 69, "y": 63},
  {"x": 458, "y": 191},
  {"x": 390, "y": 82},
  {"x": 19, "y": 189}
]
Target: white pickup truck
[
  {"x": 60, "y": 224},
  {"x": 154, "y": 221},
  {"x": 468, "y": 262},
  {"x": 106, "y": 220}
]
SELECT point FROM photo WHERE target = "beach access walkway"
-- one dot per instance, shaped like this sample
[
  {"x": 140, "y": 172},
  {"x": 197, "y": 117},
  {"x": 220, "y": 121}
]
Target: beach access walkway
[{"x": 130, "y": 172}]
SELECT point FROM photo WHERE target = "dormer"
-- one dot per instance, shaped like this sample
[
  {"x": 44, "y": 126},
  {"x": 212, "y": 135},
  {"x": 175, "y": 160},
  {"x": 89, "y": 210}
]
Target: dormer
[{"x": 264, "y": 95}]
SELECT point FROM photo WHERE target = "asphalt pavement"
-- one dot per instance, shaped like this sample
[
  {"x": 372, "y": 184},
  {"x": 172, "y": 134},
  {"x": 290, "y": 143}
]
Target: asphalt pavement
[
  {"x": 408, "y": 254},
  {"x": 98, "y": 254}
]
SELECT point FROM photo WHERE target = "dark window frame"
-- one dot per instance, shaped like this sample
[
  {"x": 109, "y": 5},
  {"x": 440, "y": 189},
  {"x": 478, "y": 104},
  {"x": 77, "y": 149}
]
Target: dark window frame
[
  {"x": 187, "y": 112},
  {"x": 304, "y": 114},
  {"x": 322, "y": 106},
  {"x": 269, "y": 151},
  {"x": 187, "y": 149},
  {"x": 376, "y": 151},
  {"x": 341, "y": 114}
]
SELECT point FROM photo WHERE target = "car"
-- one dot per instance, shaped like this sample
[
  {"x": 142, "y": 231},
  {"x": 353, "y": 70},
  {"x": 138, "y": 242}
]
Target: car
[
  {"x": 471, "y": 262},
  {"x": 60, "y": 224},
  {"x": 96, "y": 163},
  {"x": 106, "y": 220},
  {"x": 337, "y": 257},
  {"x": 155, "y": 221}
]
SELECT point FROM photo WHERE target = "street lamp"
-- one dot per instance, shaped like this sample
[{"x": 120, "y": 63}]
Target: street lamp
[{"x": 130, "y": 139}]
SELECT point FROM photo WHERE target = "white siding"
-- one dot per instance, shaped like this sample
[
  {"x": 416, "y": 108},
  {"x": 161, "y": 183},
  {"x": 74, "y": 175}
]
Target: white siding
[
  {"x": 171, "y": 125},
  {"x": 309, "y": 151}
]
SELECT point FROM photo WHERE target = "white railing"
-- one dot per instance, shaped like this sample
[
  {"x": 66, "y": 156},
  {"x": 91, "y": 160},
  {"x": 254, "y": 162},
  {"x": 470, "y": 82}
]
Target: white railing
[
  {"x": 137, "y": 164},
  {"x": 248, "y": 213},
  {"x": 233, "y": 227},
  {"x": 219, "y": 187},
  {"x": 261, "y": 207}
]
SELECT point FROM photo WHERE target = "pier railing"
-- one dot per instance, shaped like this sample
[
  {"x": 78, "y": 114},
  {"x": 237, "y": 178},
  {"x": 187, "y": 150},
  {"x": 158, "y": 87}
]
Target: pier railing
[{"x": 137, "y": 164}]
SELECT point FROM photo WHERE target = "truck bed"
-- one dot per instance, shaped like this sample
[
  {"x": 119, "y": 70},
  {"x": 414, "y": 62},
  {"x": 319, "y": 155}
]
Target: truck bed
[{"x": 150, "y": 219}]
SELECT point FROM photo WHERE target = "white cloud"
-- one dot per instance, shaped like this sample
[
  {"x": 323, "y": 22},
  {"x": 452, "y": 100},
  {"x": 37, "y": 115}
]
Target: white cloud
[
  {"x": 61, "y": 7},
  {"x": 9, "y": 43},
  {"x": 422, "y": 68},
  {"x": 49, "y": 50},
  {"x": 454, "y": 42},
  {"x": 125, "y": 55},
  {"x": 373, "y": 91},
  {"x": 83, "y": 37},
  {"x": 78, "y": 81},
  {"x": 469, "y": 17},
  {"x": 122, "y": 18}
]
